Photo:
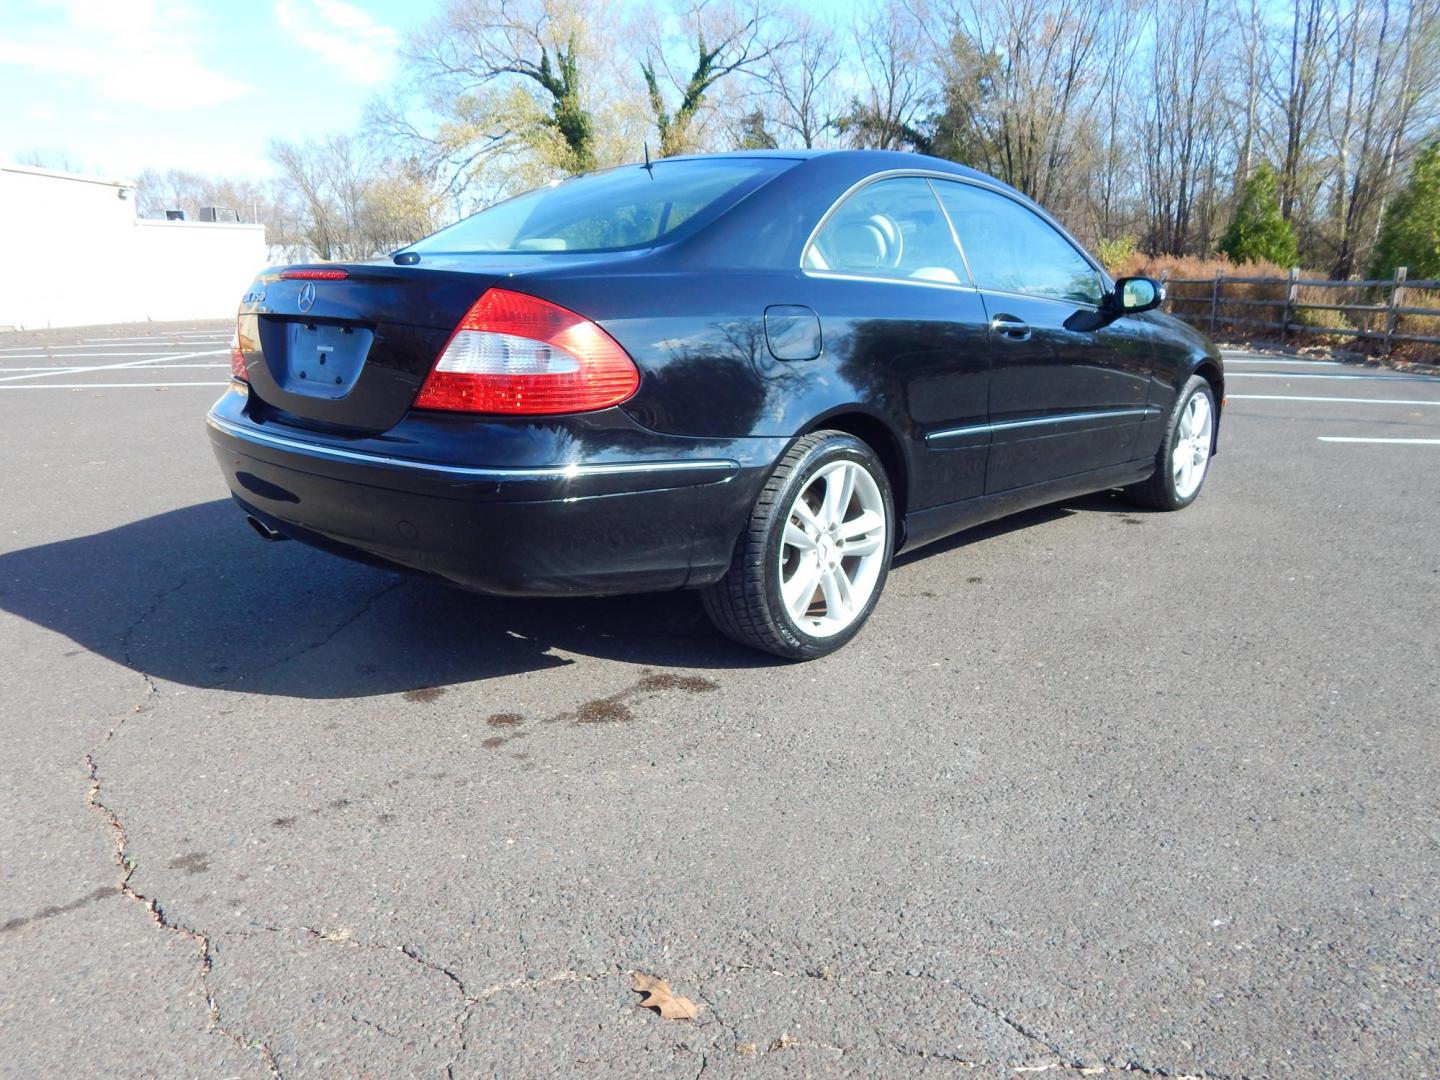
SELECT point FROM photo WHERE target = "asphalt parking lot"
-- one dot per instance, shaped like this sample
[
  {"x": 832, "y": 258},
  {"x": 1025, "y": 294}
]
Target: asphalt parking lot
[{"x": 1097, "y": 789}]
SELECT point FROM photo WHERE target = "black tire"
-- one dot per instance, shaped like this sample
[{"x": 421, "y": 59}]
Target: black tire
[
  {"x": 746, "y": 603},
  {"x": 1159, "y": 491}
]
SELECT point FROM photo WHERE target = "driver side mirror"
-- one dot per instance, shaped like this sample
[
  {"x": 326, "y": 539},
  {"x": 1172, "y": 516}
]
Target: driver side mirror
[{"x": 1133, "y": 295}]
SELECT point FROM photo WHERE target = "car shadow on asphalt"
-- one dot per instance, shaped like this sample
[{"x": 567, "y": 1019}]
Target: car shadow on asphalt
[
  {"x": 1108, "y": 502},
  {"x": 1102, "y": 502},
  {"x": 193, "y": 597},
  {"x": 980, "y": 533}
]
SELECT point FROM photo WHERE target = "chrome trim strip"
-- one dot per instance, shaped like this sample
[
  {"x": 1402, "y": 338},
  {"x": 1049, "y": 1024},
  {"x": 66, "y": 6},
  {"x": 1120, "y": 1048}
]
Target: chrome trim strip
[
  {"x": 841, "y": 275},
  {"x": 542, "y": 472},
  {"x": 1068, "y": 302},
  {"x": 1046, "y": 421},
  {"x": 954, "y": 234}
]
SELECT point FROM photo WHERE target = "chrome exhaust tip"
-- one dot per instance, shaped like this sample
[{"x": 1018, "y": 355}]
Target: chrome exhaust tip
[{"x": 264, "y": 531}]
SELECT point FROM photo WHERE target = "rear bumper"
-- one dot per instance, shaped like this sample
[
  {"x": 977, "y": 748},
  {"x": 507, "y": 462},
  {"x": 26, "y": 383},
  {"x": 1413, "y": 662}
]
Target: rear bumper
[{"x": 663, "y": 516}]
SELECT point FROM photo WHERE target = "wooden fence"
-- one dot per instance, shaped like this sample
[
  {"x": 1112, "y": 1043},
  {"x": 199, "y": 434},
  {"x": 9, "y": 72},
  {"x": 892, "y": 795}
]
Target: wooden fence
[{"x": 1377, "y": 310}]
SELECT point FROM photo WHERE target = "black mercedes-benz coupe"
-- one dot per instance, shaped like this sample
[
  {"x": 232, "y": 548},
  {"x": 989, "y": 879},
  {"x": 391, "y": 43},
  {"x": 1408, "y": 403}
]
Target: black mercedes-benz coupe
[{"x": 759, "y": 375}]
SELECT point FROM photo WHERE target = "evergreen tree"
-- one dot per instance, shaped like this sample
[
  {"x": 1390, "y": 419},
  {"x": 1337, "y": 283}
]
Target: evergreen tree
[
  {"x": 753, "y": 134},
  {"x": 1410, "y": 236},
  {"x": 1258, "y": 232}
]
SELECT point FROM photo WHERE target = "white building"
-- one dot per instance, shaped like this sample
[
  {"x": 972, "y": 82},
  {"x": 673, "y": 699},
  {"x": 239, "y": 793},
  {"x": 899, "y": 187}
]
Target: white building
[{"x": 76, "y": 254}]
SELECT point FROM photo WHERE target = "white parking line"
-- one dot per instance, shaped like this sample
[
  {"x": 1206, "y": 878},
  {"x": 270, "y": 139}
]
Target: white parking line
[
  {"x": 61, "y": 369},
  {"x": 1296, "y": 363},
  {"x": 1400, "y": 442},
  {"x": 113, "y": 367},
  {"x": 107, "y": 386},
  {"x": 107, "y": 345},
  {"x": 83, "y": 356},
  {"x": 150, "y": 340},
  {"x": 1344, "y": 400},
  {"x": 1320, "y": 375}
]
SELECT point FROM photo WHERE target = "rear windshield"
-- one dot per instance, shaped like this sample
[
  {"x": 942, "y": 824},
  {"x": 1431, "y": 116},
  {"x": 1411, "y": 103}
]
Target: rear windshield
[{"x": 628, "y": 207}]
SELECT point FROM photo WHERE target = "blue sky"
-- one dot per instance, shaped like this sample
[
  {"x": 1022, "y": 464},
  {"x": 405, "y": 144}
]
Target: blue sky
[{"x": 118, "y": 85}]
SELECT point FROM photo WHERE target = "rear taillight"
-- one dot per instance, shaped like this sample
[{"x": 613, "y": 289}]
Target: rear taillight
[
  {"x": 314, "y": 273},
  {"x": 514, "y": 353},
  {"x": 237, "y": 360}
]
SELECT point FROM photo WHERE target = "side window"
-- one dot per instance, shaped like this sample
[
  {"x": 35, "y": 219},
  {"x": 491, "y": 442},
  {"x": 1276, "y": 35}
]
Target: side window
[
  {"x": 1010, "y": 249},
  {"x": 891, "y": 228}
]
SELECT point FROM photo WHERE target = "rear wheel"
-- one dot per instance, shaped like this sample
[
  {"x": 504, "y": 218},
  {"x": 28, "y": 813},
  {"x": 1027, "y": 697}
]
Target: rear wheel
[
  {"x": 809, "y": 568},
  {"x": 1184, "y": 455}
]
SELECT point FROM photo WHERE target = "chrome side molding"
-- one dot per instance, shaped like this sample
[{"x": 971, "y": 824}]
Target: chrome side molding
[{"x": 1044, "y": 421}]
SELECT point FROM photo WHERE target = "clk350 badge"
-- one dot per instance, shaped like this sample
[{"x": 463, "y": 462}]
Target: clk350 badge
[{"x": 254, "y": 296}]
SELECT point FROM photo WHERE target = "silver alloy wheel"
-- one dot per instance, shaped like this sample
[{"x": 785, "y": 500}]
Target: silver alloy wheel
[
  {"x": 834, "y": 548},
  {"x": 1191, "y": 455}
]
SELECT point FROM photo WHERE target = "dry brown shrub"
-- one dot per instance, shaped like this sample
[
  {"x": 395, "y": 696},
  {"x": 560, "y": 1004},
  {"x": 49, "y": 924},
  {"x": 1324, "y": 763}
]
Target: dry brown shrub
[{"x": 1244, "y": 306}]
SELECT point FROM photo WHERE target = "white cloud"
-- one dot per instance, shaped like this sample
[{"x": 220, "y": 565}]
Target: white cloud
[
  {"x": 143, "y": 52},
  {"x": 350, "y": 40}
]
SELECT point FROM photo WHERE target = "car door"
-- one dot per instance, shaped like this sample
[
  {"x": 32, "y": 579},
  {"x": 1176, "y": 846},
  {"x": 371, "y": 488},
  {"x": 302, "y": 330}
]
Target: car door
[
  {"x": 1069, "y": 380},
  {"x": 908, "y": 329}
]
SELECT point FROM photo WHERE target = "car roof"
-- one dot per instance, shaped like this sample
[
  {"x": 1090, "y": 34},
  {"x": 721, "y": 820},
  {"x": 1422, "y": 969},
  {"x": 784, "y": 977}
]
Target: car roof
[
  {"x": 769, "y": 227},
  {"x": 860, "y": 162}
]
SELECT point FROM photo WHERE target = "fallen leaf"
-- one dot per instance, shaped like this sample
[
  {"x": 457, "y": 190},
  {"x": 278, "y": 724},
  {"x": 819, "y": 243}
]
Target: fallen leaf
[{"x": 658, "y": 996}]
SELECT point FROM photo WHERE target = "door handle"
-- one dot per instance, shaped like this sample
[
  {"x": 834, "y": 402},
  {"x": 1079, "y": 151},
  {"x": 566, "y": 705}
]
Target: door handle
[{"x": 1010, "y": 328}]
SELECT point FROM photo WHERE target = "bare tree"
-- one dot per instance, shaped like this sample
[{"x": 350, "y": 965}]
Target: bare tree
[
  {"x": 179, "y": 189},
  {"x": 1377, "y": 103},
  {"x": 1112, "y": 173},
  {"x": 491, "y": 79},
  {"x": 800, "y": 78},
  {"x": 1247, "y": 23},
  {"x": 1044, "y": 87},
  {"x": 1129, "y": 120},
  {"x": 1413, "y": 97},
  {"x": 1351, "y": 121},
  {"x": 727, "y": 40},
  {"x": 900, "y": 90},
  {"x": 1297, "y": 88},
  {"x": 349, "y": 205},
  {"x": 1180, "y": 145}
]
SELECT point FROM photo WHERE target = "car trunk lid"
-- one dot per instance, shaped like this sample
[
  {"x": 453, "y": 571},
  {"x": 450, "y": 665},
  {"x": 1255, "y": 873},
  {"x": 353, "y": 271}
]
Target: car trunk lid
[{"x": 350, "y": 354}]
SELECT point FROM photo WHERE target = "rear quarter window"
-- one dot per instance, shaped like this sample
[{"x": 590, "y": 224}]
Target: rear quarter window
[{"x": 891, "y": 228}]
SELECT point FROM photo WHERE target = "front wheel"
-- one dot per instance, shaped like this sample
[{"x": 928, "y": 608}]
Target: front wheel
[
  {"x": 809, "y": 568},
  {"x": 1184, "y": 455}
]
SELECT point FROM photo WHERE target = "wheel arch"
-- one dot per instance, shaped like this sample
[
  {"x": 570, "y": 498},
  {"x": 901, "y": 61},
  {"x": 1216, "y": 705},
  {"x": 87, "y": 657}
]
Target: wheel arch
[
  {"x": 1209, "y": 369},
  {"x": 880, "y": 436}
]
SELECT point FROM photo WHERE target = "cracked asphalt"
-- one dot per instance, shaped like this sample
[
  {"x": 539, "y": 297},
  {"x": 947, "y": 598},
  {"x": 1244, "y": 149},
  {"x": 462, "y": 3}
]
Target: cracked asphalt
[{"x": 1097, "y": 790}]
